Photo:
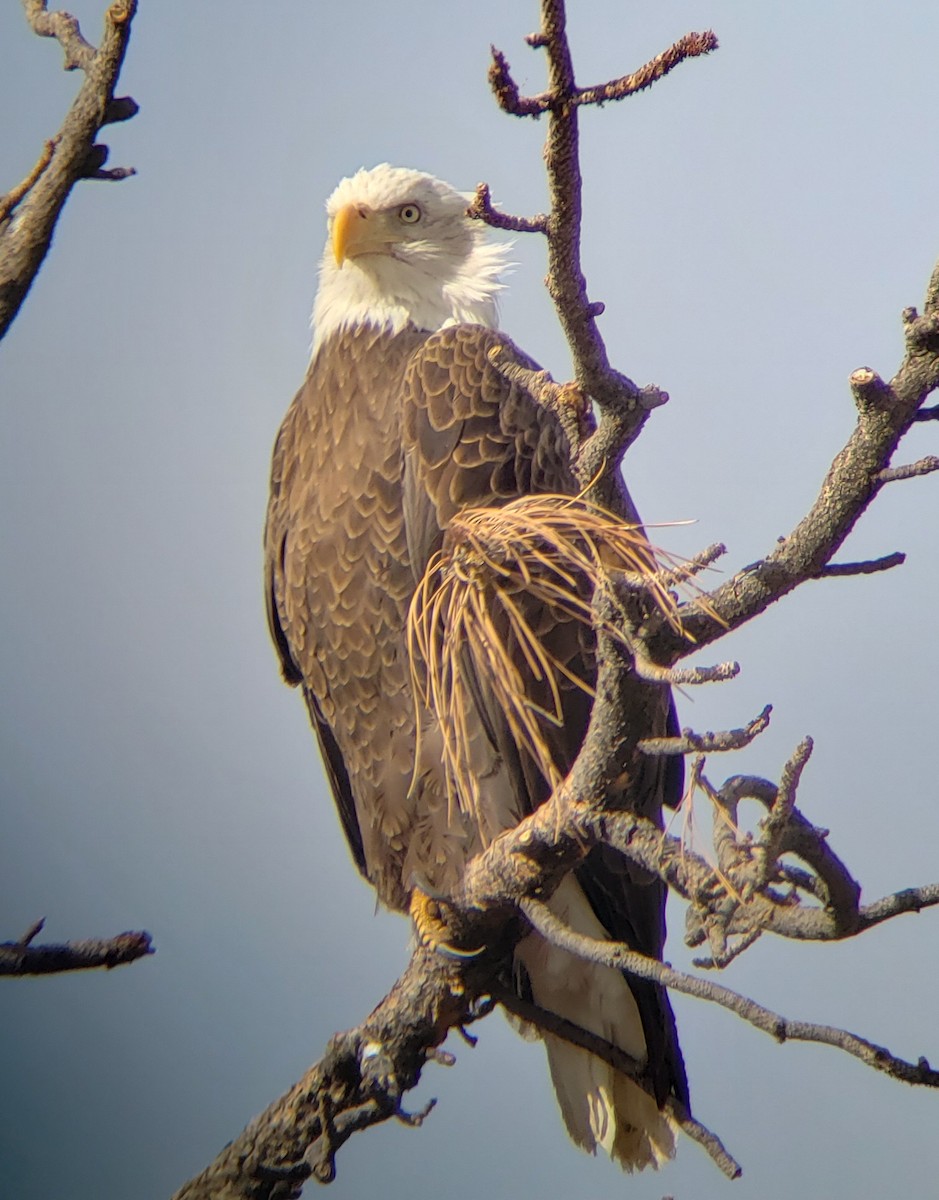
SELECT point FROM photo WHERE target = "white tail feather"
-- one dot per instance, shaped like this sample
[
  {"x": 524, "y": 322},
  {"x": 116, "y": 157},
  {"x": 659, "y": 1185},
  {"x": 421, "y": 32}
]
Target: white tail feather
[{"x": 600, "y": 1106}]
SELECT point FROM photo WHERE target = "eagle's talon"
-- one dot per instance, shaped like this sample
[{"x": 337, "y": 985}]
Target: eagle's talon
[{"x": 430, "y": 925}]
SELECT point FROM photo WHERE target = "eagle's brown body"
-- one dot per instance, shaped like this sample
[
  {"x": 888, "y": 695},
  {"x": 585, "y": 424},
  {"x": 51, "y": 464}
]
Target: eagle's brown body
[
  {"x": 389, "y": 437},
  {"x": 361, "y": 493}
]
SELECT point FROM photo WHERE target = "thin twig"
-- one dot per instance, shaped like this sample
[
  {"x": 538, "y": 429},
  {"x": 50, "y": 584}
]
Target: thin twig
[
  {"x": 566, "y": 401},
  {"x": 777, "y": 824},
  {"x": 724, "y": 959},
  {"x": 705, "y": 743},
  {"x": 869, "y": 567},
  {"x": 16, "y": 194},
  {"x": 685, "y": 676},
  {"x": 481, "y": 208},
  {"x": 33, "y": 932},
  {"x": 705, "y": 1138},
  {"x": 549, "y": 1022},
  {"x": 692, "y": 45},
  {"x": 910, "y": 900},
  {"x": 925, "y": 466},
  {"x": 694, "y": 565}
]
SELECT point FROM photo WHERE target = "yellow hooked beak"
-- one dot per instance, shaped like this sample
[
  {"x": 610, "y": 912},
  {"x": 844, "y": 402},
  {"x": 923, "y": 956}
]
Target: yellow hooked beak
[{"x": 358, "y": 229}]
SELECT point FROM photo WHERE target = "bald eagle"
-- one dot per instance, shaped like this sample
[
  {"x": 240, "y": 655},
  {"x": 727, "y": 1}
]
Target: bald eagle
[{"x": 401, "y": 424}]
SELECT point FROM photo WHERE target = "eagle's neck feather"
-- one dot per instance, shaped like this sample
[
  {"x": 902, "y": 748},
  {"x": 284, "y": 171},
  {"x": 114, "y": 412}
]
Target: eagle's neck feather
[{"x": 390, "y": 294}]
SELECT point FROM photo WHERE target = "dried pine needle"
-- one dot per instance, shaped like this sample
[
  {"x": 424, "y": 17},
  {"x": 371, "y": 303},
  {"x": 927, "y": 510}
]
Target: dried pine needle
[{"x": 470, "y": 624}]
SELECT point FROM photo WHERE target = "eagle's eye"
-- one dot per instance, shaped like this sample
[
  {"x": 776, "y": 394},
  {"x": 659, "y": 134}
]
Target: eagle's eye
[{"x": 410, "y": 214}]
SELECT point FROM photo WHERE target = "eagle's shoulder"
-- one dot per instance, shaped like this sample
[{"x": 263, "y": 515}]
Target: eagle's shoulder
[{"x": 456, "y": 361}]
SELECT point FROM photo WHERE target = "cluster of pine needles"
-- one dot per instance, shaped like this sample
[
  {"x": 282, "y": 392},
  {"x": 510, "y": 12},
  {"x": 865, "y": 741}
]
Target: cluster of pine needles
[{"x": 472, "y": 633}]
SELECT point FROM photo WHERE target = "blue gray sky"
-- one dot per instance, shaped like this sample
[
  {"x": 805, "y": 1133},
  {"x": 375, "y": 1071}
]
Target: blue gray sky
[{"x": 754, "y": 224}]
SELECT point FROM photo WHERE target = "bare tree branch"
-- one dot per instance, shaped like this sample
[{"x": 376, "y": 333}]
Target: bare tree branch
[
  {"x": 23, "y": 958},
  {"x": 511, "y": 101},
  {"x": 29, "y": 212},
  {"x": 692, "y": 45},
  {"x": 624, "y": 406},
  {"x": 680, "y": 574},
  {"x": 566, "y": 401},
  {"x": 645, "y": 668},
  {"x": 435, "y": 993},
  {"x": 28, "y": 215},
  {"x": 859, "y": 471},
  {"x": 619, "y": 956}
]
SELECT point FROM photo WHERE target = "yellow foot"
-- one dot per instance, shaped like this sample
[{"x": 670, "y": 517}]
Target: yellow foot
[{"x": 430, "y": 923}]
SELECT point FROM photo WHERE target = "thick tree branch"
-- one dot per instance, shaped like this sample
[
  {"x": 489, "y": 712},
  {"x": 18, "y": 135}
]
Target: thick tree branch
[
  {"x": 28, "y": 213},
  {"x": 435, "y": 993},
  {"x": 360, "y": 1082}
]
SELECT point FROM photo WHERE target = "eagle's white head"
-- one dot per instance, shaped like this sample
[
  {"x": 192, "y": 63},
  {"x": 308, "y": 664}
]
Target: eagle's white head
[{"x": 402, "y": 250}]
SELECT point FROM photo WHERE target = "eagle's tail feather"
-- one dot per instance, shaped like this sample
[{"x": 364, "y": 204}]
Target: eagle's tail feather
[{"x": 600, "y": 1106}]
